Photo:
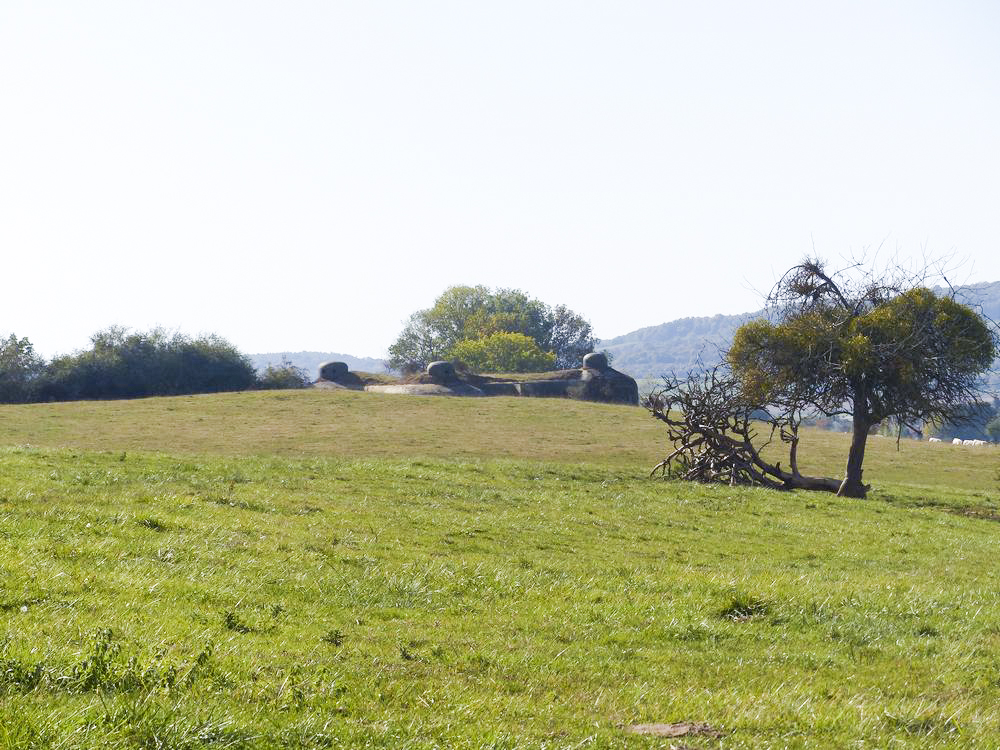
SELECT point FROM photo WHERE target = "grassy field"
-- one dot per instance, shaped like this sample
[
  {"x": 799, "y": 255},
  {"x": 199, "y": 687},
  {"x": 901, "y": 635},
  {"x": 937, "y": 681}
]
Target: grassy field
[{"x": 341, "y": 569}]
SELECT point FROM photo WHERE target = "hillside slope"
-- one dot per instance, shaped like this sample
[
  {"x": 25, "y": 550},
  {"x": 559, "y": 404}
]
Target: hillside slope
[
  {"x": 292, "y": 569},
  {"x": 353, "y": 425},
  {"x": 201, "y": 602}
]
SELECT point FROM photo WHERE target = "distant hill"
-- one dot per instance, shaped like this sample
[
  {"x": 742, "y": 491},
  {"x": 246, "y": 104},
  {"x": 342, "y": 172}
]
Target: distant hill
[
  {"x": 310, "y": 361},
  {"x": 673, "y": 347},
  {"x": 676, "y": 346},
  {"x": 986, "y": 295}
]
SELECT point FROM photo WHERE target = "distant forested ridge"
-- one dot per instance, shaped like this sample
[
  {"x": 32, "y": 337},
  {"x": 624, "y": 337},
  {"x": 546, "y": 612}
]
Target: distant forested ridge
[
  {"x": 676, "y": 346},
  {"x": 310, "y": 361},
  {"x": 673, "y": 347}
]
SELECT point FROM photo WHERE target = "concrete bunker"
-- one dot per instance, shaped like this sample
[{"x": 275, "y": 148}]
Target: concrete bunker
[{"x": 596, "y": 380}]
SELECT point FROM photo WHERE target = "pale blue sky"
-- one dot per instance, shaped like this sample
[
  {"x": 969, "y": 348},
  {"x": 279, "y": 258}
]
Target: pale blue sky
[{"x": 303, "y": 175}]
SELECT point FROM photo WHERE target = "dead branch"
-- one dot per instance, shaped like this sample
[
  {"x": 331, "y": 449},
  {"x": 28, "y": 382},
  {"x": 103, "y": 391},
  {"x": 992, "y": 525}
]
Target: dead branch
[{"x": 713, "y": 434}]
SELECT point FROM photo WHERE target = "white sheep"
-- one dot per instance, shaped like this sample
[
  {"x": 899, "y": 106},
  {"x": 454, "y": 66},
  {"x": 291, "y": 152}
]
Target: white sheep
[{"x": 934, "y": 440}]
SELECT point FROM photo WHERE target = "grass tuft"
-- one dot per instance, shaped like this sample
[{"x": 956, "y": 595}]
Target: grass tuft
[
  {"x": 232, "y": 622},
  {"x": 152, "y": 524},
  {"x": 744, "y": 607},
  {"x": 334, "y": 637}
]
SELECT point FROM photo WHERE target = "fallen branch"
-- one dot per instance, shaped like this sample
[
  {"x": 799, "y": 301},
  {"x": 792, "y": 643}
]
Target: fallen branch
[{"x": 713, "y": 435}]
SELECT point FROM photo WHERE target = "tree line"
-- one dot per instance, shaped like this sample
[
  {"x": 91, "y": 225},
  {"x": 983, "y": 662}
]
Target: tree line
[
  {"x": 128, "y": 364},
  {"x": 489, "y": 330}
]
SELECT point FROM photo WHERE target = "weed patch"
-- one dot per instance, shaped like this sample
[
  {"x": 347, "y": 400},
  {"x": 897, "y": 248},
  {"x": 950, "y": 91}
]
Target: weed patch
[
  {"x": 744, "y": 607},
  {"x": 101, "y": 668}
]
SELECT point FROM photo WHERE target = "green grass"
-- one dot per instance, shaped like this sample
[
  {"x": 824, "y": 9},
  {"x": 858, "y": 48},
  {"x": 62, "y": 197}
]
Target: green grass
[
  {"x": 356, "y": 570},
  {"x": 360, "y": 425},
  {"x": 346, "y": 424}
]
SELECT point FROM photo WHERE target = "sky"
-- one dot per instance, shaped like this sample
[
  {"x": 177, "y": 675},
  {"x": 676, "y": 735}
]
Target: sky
[{"x": 305, "y": 175}]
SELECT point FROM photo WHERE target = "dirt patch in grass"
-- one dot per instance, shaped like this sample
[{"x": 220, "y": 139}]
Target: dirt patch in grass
[
  {"x": 681, "y": 729},
  {"x": 983, "y": 514}
]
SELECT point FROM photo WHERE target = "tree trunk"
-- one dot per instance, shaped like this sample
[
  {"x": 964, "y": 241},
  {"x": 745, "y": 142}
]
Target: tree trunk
[
  {"x": 852, "y": 486},
  {"x": 799, "y": 482}
]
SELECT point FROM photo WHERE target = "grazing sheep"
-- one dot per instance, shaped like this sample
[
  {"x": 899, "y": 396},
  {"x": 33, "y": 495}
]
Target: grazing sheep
[
  {"x": 956, "y": 441},
  {"x": 934, "y": 440}
]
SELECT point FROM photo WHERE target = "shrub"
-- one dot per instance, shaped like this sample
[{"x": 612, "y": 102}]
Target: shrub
[
  {"x": 503, "y": 352},
  {"x": 283, "y": 376},
  {"x": 121, "y": 364}
]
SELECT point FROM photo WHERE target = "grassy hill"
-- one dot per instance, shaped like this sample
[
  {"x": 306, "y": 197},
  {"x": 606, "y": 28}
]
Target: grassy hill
[{"x": 303, "y": 569}]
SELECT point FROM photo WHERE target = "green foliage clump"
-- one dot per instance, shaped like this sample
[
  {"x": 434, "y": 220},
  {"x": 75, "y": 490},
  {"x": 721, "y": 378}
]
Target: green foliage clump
[
  {"x": 467, "y": 313},
  {"x": 899, "y": 353},
  {"x": 20, "y": 369},
  {"x": 503, "y": 352},
  {"x": 122, "y": 364},
  {"x": 282, "y": 376}
]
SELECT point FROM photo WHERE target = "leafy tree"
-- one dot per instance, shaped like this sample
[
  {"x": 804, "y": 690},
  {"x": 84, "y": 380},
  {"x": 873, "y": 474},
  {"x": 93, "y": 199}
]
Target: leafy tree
[
  {"x": 19, "y": 370},
  {"x": 468, "y": 313},
  {"x": 570, "y": 338},
  {"x": 868, "y": 345},
  {"x": 503, "y": 352},
  {"x": 417, "y": 345}
]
